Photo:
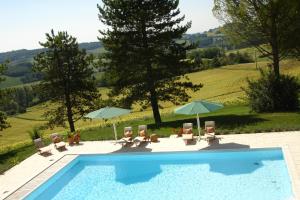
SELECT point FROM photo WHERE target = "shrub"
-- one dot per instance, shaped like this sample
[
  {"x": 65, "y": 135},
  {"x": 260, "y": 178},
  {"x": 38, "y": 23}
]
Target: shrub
[
  {"x": 236, "y": 58},
  {"x": 35, "y": 133},
  {"x": 270, "y": 94},
  {"x": 3, "y": 123}
]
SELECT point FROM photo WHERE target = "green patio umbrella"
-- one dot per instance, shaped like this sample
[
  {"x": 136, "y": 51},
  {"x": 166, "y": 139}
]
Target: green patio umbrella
[
  {"x": 198, "y": 107},
  {"x": 108, "y": 113}
]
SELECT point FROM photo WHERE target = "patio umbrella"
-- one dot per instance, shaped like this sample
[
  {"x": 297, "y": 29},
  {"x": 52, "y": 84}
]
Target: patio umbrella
[
  {"x": 108, "y": 113},
  {"x": 198, "y": 107}
]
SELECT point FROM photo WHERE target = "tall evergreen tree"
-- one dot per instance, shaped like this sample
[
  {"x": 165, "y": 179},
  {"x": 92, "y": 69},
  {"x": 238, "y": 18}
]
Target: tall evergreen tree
[
  {"x": 3, "y": 118},
  {"x": 67, "y": 79},
  {"x": 145, "y": 56},
  {"x": 270, "y": 25}
]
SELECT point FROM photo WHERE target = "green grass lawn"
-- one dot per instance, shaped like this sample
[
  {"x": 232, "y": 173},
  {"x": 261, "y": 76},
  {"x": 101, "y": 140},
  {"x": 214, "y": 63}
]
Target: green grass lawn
[
  {"x": 233, "y": 119},
  {"x": 15, "y": 156}
]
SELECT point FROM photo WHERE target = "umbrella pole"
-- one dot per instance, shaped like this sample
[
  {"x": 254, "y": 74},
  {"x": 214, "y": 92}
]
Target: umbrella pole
[
  {"x": 115, "y": 131},
  {"x": 199, "y": 128}
]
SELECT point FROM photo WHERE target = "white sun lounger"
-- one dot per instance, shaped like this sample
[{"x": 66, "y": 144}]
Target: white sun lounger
[
  {"x": 41, "y": 147},
  {"x": 187, "y": 137},
  {"x": 210, "y": 135},
  {"x": 58, "y": 145},
  {"x": 141, "y": 139}
]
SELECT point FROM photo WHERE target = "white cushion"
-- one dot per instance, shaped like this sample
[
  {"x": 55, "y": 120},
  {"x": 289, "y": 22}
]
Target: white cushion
[{"x": 187, "y": 136}]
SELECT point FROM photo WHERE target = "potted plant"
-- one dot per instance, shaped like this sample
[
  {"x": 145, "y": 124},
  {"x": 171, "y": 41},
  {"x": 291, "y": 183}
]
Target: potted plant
[
  {"x": 70, "y": 138},
  {"x": 77, "y": 137}
]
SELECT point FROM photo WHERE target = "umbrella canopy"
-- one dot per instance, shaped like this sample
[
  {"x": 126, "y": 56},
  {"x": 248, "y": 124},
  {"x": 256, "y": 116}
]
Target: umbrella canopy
[
  {"x": 107, "y": 113},
  {"x": 198, "y": 107}
]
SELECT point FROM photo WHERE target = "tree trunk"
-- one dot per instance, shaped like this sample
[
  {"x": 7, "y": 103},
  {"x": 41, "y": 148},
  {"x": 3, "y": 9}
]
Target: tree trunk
[
  {"x": 155, "y": 107},
  {"x": 276, "y": 61},
  {"x": 274, "y": 43},
  {"x": 70, "y": 113}
]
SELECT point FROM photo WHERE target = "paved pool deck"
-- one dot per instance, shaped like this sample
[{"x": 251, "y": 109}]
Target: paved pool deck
[{"x": 29, "y": 174}]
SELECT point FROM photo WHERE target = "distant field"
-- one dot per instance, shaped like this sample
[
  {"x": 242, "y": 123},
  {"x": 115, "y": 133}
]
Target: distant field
[
  {"x": 220, "y": 85},
  {"x": 250, "y": 51},
  {"x": 96, "y": 51},
  {"x": 10, "y": 81},
  {"x": 225, "y": 84}
]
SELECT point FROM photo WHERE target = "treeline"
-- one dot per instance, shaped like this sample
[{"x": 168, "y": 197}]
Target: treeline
[
  {"x": 23, "y": 70},
  {"x": 216, "y": 57},
  {"x": 17, "y": 100},
  {"x": 24, "y": 54},
  {"x": 211, "y": 38}
]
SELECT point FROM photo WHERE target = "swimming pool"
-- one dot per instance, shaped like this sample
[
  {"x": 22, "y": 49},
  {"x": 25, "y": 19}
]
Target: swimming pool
[{"x": 252, "y": 174}]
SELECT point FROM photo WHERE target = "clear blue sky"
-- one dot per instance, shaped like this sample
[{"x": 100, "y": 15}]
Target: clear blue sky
[{"x": 24, "y": 22}]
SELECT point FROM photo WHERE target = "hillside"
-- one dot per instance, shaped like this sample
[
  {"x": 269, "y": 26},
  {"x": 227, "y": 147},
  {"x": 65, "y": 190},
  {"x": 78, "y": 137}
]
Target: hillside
[
  {"x": 221, "y": 85},
  {"x": 19, "y": 69}
]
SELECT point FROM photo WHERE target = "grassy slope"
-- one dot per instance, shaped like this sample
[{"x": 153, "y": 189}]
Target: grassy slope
[
  {"x": 221, "y": 85},
  {"x": 10, "y": 81}
]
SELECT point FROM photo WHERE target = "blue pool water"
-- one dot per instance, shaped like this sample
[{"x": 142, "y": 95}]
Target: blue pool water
[{"x": 232, "y": 175}]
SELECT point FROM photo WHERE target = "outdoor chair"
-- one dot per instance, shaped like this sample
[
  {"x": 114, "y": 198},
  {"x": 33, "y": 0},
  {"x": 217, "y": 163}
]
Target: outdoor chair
[
  {"x": 127, "y": 136},
  {"x": 57, "y": 141},
  {"x": 42, "y": 149},
  {"x": 187, "y": 135},
  {"x": 142, "y": 135},
  {"x": 128, "y": 133},
  {"x": 209, "y": 129}
]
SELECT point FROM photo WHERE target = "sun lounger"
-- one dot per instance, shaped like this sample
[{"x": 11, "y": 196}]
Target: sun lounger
[
  {"x": 57, "y": 141},
  {"x": 124, "y": 141},
  {"x": 210, "y": 130},
  {"x": 127, "y": 138},
  {"x": 41, "y": 147},
  {"x": 128, "y": 133},
  {"x": 142, "y": 135},
  {"x": 187, "y": 135}
]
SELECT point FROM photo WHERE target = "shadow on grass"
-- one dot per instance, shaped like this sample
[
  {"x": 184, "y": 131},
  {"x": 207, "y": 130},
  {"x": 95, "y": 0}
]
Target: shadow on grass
[
  {"x": 5, "y": 156},
  {"x": 14, "y": 156},
  {"x": 222, "y": 121}
]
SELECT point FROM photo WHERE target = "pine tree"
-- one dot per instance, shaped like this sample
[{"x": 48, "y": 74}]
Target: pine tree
[
  {"x": 145, "y": 53},
  {"x": 67, "y": 79}
]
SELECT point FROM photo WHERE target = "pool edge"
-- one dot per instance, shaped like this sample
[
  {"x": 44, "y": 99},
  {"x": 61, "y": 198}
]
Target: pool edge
[{"x": 285, "y": 150}]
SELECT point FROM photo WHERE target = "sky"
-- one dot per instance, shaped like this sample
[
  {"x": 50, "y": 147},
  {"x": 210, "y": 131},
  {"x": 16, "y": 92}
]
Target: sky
[{"x": 24, "y": 22}]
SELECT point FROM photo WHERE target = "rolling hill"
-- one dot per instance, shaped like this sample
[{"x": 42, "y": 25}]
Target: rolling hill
[
  {"x": 19, "y": 69},
  {"x": 222, "y": 84}
]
